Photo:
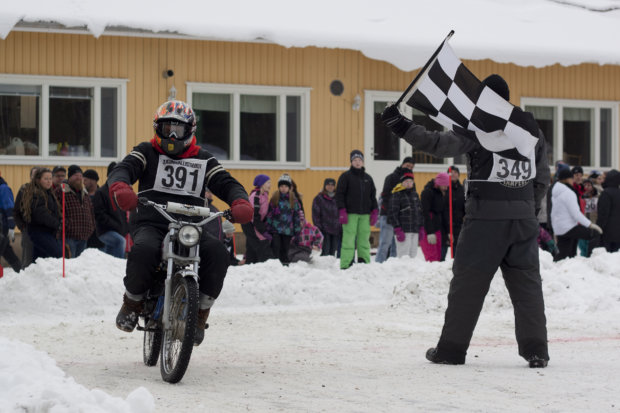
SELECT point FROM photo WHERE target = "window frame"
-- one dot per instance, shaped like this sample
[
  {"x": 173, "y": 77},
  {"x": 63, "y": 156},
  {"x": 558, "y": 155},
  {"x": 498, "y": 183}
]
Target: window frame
[
  {"x": 372, "y": 96},
  {"x": 281, "y": 92},
  {"x": 558, "y": 140},
  {"x": 45, "y": 82}
]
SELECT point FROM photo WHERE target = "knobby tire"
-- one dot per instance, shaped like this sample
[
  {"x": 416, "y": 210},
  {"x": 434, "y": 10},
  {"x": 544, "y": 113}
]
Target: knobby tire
[{"x": 178, "y": 341}]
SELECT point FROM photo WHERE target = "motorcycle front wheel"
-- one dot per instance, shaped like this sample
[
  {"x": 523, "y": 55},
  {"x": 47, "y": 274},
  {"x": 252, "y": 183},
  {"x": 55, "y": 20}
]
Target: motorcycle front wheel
[
  {"x": 178, "y": 340},
  {"x": 152, "y": 343}
]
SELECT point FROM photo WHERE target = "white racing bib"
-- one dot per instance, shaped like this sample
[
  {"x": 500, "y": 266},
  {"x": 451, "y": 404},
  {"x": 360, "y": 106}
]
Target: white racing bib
[
  {"x": 512, "y": 172},
  {"x": 180, "y": 176}
]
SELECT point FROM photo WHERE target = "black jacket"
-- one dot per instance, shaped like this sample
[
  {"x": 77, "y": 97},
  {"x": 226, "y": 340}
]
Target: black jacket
[
  {"x": 159, "y": 185},
  {"x": 106, "y": 218},
  {"x": 609, "y": 208},
  {"x": 389, "y": 183},
  {"x": 499, "y": 201},
  {"x": 45, "y": 215},
  {"x": 356, "y": 192},
  {"x": 405, "y": 210},
  {"x": 433, "y": 210}
]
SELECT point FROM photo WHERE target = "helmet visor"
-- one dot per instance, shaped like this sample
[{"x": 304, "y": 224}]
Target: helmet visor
[{"x": 173, "y": 129}]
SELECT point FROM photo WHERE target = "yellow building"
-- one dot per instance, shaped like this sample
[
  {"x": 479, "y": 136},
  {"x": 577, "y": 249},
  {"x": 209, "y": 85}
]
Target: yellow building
[{"x": 67, "y": 97}]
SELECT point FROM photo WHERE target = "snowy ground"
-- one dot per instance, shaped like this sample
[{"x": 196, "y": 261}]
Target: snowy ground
[{"x": 309, "y": 338}]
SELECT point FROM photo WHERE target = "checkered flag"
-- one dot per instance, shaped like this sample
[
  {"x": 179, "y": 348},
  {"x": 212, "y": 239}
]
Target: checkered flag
[{"x": 450, "y": 94}]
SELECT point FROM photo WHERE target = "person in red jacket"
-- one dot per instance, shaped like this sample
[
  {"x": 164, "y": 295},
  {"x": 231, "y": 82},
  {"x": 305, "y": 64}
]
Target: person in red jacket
[{"x": 171, "y": 167}]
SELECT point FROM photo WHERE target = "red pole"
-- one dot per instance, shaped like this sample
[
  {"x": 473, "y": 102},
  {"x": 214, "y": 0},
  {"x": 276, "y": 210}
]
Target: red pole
[
  {"x": 63, "y": 229},
  {"x": 451, "y": 227}
]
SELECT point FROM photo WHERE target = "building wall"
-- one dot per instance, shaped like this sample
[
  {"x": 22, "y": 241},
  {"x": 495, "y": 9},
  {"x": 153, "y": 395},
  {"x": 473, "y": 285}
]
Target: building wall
[{"x": 335, "y": 127}]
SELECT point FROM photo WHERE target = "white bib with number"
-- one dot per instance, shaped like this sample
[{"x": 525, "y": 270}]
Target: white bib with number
[
  {"x": 510, "y": 170},
  {"x": 180, "y": 176}
]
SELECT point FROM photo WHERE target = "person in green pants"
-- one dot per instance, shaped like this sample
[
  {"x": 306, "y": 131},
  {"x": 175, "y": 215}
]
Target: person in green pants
[{"x": 357, "y": 211}]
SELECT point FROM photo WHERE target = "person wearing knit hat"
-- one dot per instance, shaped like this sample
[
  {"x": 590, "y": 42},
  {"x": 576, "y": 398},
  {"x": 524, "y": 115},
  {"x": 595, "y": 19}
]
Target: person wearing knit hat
[
  {"x": 436, "y": 229},
  {"x": 325, "y": 217},
  {"x": 356, "y": 154},
  {"x": 229, "y": 242},
  {"x": 257, "y": 237},
  {"x": 79, "y": 212},
  {"x": 59, "y": 174},
  {"x": 568, "y": 220},
  {"x": 90, "y": 177},
  {"x": 357, "y": 211},
  {"x": 504, "y": 193},
  {"x": 284, "y": 218},
  {"x": 387, "y": 242},
  {"x": 405, "y": 215},
  {"x": 442, "y": 180}
]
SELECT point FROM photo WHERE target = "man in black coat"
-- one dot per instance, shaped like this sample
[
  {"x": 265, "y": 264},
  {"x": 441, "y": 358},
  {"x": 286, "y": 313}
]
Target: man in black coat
[
  {"x": 500, "y": 230},
  {"x": 458, "y": 210},
  {"x": 386, "y": 234},
  {"x": 609, "y": 211}
]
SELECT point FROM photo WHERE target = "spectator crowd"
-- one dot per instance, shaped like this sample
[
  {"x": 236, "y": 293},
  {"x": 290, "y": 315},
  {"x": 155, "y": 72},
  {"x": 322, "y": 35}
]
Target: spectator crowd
[{"x": 580, "y": 213}]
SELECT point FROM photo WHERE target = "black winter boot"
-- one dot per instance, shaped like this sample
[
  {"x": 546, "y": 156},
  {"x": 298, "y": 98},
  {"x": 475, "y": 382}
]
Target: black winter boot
[
  {"x": 432, "y": 354},
  {"x": 537, "y": 362},
  {"x": 201, "y": 326},
  {"x": 127, "y": 317}
]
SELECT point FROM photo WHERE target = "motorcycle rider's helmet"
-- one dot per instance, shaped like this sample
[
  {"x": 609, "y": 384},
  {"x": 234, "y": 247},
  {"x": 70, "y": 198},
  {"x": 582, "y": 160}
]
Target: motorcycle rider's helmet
[{"x": 175, "y": 125}]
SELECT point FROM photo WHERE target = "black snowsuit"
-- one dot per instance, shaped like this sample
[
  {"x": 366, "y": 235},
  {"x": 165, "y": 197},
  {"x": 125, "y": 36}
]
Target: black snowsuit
[
  {"x": 458, "y": 211},
  {"x": 500, "y": 230},
  {"x": 178, "y": 180}
]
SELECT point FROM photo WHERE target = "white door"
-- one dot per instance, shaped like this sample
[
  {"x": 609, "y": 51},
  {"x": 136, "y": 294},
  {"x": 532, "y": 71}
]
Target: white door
[{"x": 382, "y": 151}]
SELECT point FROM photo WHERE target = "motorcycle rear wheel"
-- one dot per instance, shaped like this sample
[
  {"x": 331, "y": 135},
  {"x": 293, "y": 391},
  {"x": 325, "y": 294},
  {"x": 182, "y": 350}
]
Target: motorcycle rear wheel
[{"x": 178, "y": 340}]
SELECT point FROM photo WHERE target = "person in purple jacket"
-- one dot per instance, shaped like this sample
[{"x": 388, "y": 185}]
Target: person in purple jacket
[
  {"x": 325, "y": 217},
  {"x": 257, "y": 238}
]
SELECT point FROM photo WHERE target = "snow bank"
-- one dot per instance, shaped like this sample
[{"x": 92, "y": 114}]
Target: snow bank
[
  {"x": 93, "y": 286},
  {"x": 30, "y": 381}
]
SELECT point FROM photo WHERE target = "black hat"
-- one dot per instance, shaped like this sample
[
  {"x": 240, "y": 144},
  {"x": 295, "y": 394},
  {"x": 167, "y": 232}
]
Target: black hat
[
  {"x": 454, "y": 168},
  {"x": 59, "y": 168},
  {"x": 73, "y": 169},
  {"x": 91, "y": 174},
  {"x": 564, "y": 173},
  {"x": 408, "y": 159},
  {"x": 285, "y": 179},
  {"x": 497, "y": 85},
  {"x": 356, "y": 153},
  {"x": 329, "y": 181},
  {"x": 577, "y": 170}
]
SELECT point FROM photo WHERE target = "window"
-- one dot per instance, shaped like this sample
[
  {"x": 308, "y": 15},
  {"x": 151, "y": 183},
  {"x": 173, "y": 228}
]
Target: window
[
  {"x": 252, "y": 126},
  {"x": 50, "y": 118},
  {"x": 578, "y": 132}
]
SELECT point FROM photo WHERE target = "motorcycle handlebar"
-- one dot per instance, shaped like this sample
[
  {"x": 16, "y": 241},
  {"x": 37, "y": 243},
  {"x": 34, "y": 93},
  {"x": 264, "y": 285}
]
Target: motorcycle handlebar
[{"x": 184, "y": 209}]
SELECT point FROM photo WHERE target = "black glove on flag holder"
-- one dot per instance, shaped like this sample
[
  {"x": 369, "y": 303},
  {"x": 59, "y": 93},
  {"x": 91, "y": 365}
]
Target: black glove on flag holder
[{"x": 450, "y": 94}]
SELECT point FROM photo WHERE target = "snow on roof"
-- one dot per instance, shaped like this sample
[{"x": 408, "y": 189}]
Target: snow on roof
[{"x": 402, "y": 32}]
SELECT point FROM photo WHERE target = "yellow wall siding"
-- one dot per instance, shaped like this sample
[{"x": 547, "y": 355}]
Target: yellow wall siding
[{"x": 335, "y": 127}]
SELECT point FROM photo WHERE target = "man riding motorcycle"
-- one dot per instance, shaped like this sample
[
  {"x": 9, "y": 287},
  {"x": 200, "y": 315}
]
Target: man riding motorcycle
[{"x": 171, "y": 167}]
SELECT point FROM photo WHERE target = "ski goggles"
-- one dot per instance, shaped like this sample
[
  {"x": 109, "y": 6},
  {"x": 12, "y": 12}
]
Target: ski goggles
[{"x": 173, "y": 129}]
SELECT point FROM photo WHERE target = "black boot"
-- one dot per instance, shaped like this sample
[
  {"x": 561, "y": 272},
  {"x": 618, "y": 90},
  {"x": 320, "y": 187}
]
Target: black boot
[
  {"x": 12, "y": 259},
  {"x": 201, "y": 326},
  {"x": 537, "y": 362},
  {"x": 433, "y": 355},
  {"x": 127, "y": 317}
]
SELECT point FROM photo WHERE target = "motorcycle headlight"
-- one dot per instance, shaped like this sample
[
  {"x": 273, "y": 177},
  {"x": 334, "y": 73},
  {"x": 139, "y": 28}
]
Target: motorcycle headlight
[{"x": 189, "y": 236}]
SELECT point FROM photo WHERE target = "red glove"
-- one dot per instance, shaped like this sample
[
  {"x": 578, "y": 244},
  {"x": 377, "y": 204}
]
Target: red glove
[
  {"x": 400, "y": 235},
  {"x": 122, "y": 195},
  {"x": 343, "y": 218},
  {"x": 374, "y": 214},
  {"x": 242, "y": 211}
]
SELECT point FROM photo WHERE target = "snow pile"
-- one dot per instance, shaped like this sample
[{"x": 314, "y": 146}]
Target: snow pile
[
  {"x": 94, "y": 287},
  {"x": 30, "y": 381}
]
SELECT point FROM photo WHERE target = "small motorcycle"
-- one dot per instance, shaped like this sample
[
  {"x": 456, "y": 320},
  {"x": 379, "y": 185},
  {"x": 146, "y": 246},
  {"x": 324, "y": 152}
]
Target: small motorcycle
[{"x": 171, "y": 307}]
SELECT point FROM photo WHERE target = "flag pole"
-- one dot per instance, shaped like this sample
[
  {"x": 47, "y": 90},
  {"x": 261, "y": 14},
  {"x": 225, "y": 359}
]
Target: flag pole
[
  {"x": 400, "y": 99},
  {"x": 451, "y": 225}
]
